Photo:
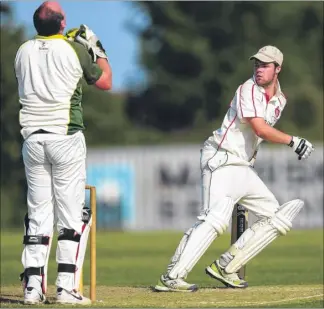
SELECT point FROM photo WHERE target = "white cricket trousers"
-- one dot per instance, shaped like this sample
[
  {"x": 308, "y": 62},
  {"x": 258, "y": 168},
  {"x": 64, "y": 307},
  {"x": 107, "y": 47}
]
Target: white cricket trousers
[
  {"x": 223, "y": 176},
  {"x": 55, "y": 170}
]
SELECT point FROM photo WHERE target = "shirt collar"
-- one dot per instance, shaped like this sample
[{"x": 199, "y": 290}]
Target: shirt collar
[
  {"x": 277, "y": 94},
  {"x": 50, "y": 37}
]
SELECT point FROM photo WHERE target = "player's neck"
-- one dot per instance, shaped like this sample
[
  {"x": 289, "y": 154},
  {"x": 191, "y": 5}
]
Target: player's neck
[{"x": 271, "y": 89}]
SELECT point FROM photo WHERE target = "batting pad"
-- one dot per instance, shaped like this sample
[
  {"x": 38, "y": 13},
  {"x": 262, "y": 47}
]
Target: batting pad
[
  {"x": 87, "y": 219},
  {"x": 71, "y": 248},
  {"x": 41, "y": 245},
  {"x": 261, "y": 234},
  {"x": 202, "y": 234},
  {"x": 200, "y": 239},
  {"x": 176, "y": 257},
  {"x": 44, "y": 285}
]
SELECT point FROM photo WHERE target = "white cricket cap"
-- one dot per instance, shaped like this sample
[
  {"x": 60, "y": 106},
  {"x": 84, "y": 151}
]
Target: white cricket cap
[{"x": 269, "y": 54}]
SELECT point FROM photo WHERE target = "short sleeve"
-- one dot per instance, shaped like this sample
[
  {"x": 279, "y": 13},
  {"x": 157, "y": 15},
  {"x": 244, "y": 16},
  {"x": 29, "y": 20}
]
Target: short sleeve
[
  {"x": 250, "y": 101},
  {"x": 91, "y": 71}
]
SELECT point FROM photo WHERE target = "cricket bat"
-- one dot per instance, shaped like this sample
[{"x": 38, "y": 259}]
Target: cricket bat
[{"x": 239, "y": 225}]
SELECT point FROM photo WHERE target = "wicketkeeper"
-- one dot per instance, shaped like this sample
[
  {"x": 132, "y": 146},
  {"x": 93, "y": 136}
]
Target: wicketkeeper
[
  {"x": 49, "y": 71},
  {"x": 227, "y": 179}
]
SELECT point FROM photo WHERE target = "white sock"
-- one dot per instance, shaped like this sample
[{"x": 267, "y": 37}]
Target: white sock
[
  {"x": 65, "y": 281},
  {"x": 35, "y": 282}
]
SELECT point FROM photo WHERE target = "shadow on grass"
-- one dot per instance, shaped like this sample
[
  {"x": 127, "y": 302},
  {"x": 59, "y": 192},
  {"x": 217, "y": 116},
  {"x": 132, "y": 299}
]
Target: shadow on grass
[
  {"x": 5, "y": 299},
  {"x": 10, "y": 299},
  {"x": 152, "y": 288}
]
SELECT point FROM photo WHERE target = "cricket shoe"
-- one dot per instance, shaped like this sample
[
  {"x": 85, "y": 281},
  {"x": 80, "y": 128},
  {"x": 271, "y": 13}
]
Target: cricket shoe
[
  {"x": 71, "y": 297},
  {"x": 33, "y": 297},
  {"x": 166, "y": 284},
  {"x": 216, "y": 271}
]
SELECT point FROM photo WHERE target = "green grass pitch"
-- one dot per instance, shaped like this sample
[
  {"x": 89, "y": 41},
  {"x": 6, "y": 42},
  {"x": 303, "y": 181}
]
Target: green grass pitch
[{"x": 288, "y": 273}]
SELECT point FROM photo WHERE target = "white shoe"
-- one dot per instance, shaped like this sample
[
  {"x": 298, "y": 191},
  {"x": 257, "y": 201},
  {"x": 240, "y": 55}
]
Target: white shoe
[
  {"x": 216, "y": 271},
  {"x": 33, "y": 297},
  {"x": 71, "y": 297},
  {"x": 166, "y": 284}
]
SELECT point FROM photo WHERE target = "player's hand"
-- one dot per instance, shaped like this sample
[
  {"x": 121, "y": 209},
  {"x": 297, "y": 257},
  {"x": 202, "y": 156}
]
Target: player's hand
[
  {"x": 90, "y": 41},
  {"x": 301, "y": 146}
]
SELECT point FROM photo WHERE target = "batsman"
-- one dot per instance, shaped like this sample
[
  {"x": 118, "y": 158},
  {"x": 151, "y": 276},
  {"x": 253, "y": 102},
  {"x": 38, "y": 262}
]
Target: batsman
[
  {"x": 49, "y": 70},
  {"x": 228, "y": 178}
]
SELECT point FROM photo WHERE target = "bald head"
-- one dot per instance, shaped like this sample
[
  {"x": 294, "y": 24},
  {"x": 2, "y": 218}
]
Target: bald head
[
  {"x": 51, "y": 5},
  {"x": 49, "y": 18}
]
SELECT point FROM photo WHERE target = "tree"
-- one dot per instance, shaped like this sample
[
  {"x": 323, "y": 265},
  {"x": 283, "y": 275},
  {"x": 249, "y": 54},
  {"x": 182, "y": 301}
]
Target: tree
[
  {"x": 12, "y": 172},
  {"x": 196, "y": 54}
]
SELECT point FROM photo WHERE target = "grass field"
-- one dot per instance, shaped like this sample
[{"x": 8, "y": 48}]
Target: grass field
[{"x": 289, "y": 273}]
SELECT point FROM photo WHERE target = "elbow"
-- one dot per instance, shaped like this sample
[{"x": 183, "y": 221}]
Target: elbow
[
  {"x": 260, "y": 133},
  {"x": 104, "y": 83},
  {"x": 259, "y": 127},
  {"x": 108, "y": 85}
]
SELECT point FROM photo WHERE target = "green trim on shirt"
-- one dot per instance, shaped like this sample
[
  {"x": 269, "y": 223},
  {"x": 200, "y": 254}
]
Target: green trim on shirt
[
  {"x": 91, "y": 73},
  {"x": 76, "y": 111}
]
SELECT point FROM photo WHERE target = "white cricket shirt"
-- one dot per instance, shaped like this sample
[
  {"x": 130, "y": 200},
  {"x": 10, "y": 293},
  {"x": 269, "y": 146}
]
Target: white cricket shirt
[
  {"x": 235, "y": 135},
  {"x": 49, "y": 71}
]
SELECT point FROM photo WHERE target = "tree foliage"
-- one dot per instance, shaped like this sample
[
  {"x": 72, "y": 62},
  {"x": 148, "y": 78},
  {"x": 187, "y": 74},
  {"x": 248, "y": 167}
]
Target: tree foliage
[
  {"x": 12, "y": 173},
  {"x": 196, "y": 54}
]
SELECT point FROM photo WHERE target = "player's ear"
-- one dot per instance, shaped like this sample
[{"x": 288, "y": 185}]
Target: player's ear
[
  {"x": 278, "y": 69},
  {"x": 63, "y": 24},
  {"x": 63, "y": 21}
]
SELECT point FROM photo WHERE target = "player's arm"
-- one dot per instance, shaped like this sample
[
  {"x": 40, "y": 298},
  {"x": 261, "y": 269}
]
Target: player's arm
[
  {"x": 91, "y": 42},
  {"x": 93, "y": 58},
  {"x": 105, "y": 80},
  {"x": 99, "y": 73},
  {"x": 268, "y": 133},
  {"x": 301, "y": 146},
  {"x": 251, "y": 110}
]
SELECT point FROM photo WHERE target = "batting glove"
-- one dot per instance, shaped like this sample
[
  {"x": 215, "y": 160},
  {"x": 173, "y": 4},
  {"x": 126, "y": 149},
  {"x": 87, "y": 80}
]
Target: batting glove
[
  {"x": 301, "y": 146},
  {"x": 90, "y": 41}
]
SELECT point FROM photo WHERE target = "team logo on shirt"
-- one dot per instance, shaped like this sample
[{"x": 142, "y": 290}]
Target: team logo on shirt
[
  {"x": 273, "y": 116},
  {"x": 44, "y": 46},
  {"x": 277, "y": 112}
]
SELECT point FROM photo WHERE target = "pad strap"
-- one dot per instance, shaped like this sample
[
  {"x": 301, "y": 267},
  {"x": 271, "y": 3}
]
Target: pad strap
[
  {"x": 69, "y": 234},
  {"x": 36, "y": 240},
  {"x": 66, "y": 268},
  {"x": 31, "y": 271}
]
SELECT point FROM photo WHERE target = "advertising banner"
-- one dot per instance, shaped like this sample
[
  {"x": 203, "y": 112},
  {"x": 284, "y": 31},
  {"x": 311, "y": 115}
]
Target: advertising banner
[{"x": 158, "y": 188}]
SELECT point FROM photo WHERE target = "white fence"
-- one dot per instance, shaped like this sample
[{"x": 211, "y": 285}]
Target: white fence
[{"x": 154, "y": 188}]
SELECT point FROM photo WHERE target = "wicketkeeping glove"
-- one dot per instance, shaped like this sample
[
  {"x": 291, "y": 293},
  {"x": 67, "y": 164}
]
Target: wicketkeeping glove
[
  {"x": 301, "y": 146},
  {"x": 70, "y": 34},
  {"x": 87, "y": 38}
]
